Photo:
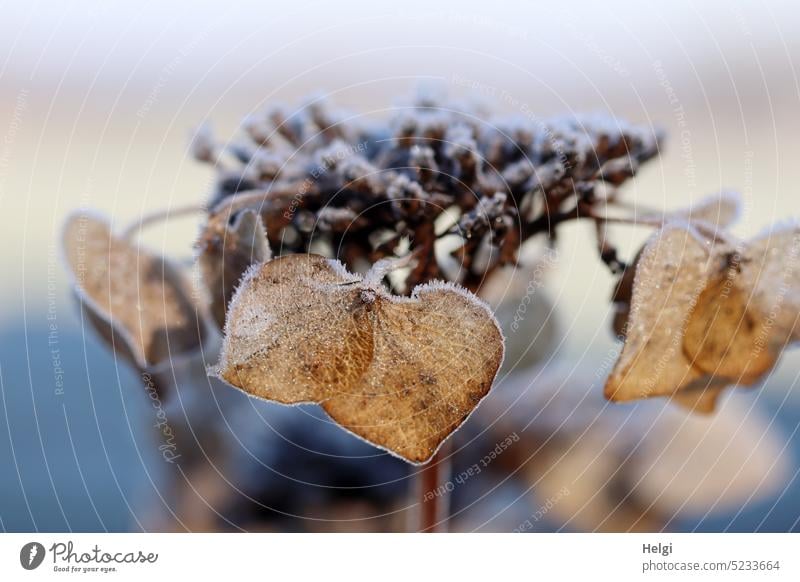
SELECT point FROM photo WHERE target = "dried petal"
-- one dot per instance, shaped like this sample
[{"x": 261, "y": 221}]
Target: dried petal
[
  {"x": 704, "y": 316},
  {"x": 721, "y": 332},
  {"x": 138, "y": 301},
  {"x": 716, "y": 212},
  {"x": 226, "y": 253},
  {"x": 402, "y": 373},
  {"x": 671, "y": 274}
]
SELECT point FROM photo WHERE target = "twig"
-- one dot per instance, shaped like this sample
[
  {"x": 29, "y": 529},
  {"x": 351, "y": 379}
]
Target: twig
[{"x": 135, "y": 227}]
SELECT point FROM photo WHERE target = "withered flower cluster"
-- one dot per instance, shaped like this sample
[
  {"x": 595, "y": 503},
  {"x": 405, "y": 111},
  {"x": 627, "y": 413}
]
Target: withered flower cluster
[{"x": 433, "y": 175}]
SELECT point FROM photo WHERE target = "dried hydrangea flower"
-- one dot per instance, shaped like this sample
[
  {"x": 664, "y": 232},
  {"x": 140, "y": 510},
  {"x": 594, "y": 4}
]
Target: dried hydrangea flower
[
  {"x": 364, "y": 190},
  {"x": 139, "y": 302},
  {"x": 401, "y": 372},
  {"x": 705, "y": 315}
]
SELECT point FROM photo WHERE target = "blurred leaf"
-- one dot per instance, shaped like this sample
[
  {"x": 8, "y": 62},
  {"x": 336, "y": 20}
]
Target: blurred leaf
[
  {"x": 593, "y": 467},
  {"x": 717, "y": 211},
  {"x": 525, "y": 312},
  {"x": 705, "y": 315},
  {"x": 139, "y": 302},
  {"x": 720, "y": 210}
]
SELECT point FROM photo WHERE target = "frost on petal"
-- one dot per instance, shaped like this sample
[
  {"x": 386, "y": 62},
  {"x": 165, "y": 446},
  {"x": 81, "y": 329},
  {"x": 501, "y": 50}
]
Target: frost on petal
[
  {"x": 748, "y": 312},
  {"x": 706, "y": 316},
  {"x": 402, "y": 373},
  {"x": 772, "y": 272},
  {"x": 227, "y": 249},
  {"x": 714, "y": 214},
  {"x": 138, "y": 301},
  {"x": 670, "y": 276}
]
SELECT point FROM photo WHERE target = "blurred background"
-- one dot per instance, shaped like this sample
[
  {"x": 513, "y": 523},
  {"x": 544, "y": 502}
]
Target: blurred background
[{"x": 97, "y": 103}]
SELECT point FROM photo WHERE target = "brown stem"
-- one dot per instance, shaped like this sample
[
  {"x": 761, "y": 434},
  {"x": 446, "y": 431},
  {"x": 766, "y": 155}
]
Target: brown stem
[
  {"x": 434, "y": 499},
  {"x": 160, "y": 215}
]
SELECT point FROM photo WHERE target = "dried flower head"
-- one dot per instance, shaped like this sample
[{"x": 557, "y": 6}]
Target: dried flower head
[{"x": 362, "y": 191}]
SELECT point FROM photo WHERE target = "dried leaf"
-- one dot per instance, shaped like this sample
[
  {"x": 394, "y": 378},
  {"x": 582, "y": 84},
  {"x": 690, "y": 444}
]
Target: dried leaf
[
  {"x": 671, "y": 274},
  {"x": 402, "y": 373},
  {"x": 704, "y": 316},
  {"x": 226, "y": 252},
  {"x": 138, "y": 301},
  {"x": 721, "y": 332},
  {"x": 748, "y": 312},
  {"x": 715, "y": 212}
]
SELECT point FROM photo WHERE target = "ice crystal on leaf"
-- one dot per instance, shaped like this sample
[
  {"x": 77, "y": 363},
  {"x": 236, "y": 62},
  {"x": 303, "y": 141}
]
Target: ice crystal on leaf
[
  {"x": 706, "y": 315},
  {"x": 401, "y": 372}
]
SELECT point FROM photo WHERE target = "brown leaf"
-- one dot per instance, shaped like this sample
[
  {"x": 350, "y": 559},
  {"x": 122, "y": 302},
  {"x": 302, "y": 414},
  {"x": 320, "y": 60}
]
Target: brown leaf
[
  {"x": 226, "y": 252},
  {"x": 138, "y": 301},
  {"x": 721, "y": 332},
  {"x": 671, "y": 274},
  {"x": 402, "y": 373},
  {"x": 715, "y": 212},
  {"x": 705, "y": 316}
]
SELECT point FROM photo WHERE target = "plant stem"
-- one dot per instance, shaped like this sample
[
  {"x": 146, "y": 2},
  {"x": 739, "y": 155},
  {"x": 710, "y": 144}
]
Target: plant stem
[
  {"x": 158, "y": 216},
  {"x": 434, "y": 503}
]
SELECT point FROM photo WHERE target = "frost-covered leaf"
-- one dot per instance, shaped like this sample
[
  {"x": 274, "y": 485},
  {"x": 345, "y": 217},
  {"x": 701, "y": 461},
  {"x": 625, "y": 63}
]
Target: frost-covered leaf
[
  {"x": 402, "y": 373},
  {"x": 621, "y": 298},
  {"x": 670, "y": 275},
  {"x": 138, "y": 301},
  {"x": 705, "y": 316},
  {"x": 748, "y": 312},
  {"x": 714, "y": 213},
  {"x": 227, "y": 248},
  {"x": 771, "y": 270}
]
